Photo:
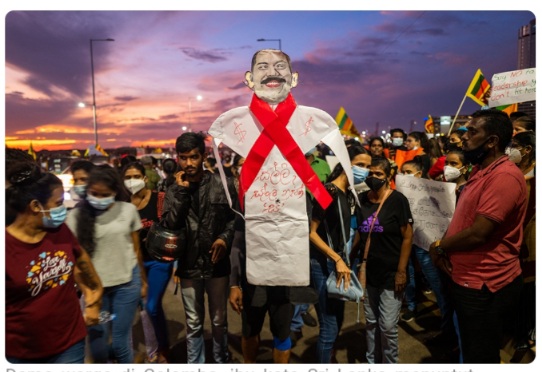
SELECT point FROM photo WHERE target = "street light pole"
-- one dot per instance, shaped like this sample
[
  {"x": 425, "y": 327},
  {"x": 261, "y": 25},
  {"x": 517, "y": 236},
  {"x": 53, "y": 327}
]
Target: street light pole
[
  {"x": 93, "y": 90},
  {"x": 198, "y": 98},
  {"x": 279, "y": 40}
]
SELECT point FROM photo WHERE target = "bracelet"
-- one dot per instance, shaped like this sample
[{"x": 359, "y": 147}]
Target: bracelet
[{"x": 235, "y": 286}]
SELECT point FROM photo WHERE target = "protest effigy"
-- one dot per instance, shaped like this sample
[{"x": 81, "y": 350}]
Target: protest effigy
[{"x": 273, "y": 134}]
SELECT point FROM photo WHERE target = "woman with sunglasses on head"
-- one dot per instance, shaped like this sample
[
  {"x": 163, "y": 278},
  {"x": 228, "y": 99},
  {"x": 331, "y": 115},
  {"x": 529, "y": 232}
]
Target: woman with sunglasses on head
[{"x": 44, "y": 261}]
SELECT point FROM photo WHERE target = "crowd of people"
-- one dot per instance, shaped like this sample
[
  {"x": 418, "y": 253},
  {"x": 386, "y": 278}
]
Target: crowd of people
[
  {"x": 92, "y": 256},
  {"x": 78, "y": 273}
]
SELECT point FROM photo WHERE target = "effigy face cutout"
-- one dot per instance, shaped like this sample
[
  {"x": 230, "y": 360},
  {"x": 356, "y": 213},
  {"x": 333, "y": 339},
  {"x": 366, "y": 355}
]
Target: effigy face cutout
[{"x": 271, "y": 77}]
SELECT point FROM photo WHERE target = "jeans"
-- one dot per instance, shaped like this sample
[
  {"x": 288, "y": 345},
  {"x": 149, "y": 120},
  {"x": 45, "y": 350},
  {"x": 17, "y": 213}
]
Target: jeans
[
  {"x": 193, "y": 291},
  {"x": 482, "y": 316},
  {"x": 75, "y": 354},
  {"x": 433, "y": 278},
  {"x": 158, "y": 276},
  {"x": 382, "y": 308},
  {"x": 121, "y": 300},
  {"x": 330, "y": 310},
  {"x": 297, "y": 321}
]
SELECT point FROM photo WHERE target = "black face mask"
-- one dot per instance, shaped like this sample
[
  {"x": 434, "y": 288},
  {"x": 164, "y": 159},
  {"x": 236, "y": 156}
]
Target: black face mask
[
  {"x": 477, "y": 155},
  {"x": 449, "y": 146},
  {"x": 374, "y": 183}
]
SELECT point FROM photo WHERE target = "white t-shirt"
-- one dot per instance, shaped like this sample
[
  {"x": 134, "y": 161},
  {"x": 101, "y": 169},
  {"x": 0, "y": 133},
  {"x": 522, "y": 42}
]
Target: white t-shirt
[{"x": 114, "y": 257}]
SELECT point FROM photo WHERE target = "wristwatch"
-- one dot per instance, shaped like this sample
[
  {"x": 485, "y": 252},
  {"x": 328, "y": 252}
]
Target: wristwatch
[{"x": 438, "y": 249}]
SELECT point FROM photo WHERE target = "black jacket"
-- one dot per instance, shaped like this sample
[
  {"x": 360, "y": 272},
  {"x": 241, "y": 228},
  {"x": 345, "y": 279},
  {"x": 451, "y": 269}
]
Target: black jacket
[{"x": 207, "y": 218}]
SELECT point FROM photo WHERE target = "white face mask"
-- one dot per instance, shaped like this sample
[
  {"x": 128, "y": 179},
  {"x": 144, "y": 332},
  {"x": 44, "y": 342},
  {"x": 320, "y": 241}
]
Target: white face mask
[
  {"x": 451, "y": 173},
  {"x": 134, "y": 185},
  {"x": 397, "y": 142},
  {"x": 514, "y": 155}
]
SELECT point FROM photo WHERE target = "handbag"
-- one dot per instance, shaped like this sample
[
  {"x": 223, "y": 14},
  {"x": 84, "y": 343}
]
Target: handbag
[
  {"x": 355, "y": 291},
  {"x": 151, "y": 344}
]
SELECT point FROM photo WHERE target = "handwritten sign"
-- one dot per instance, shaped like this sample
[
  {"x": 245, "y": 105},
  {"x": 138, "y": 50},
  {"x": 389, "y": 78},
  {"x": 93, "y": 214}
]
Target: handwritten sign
[
  {"x": 275, "y": 185},
  {"x": 513, "y": 87},
  {"x": 432, "y": 204}
]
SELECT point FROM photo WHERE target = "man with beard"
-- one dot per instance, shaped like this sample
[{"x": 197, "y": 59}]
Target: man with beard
[
  {"x": 198, "y": 202},
  {"x": 480, "y": 250},
  {"x": 273, "y": 134}
]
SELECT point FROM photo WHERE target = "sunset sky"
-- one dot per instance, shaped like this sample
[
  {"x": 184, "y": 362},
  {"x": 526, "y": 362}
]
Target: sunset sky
[{"x": 390, "y": 67}]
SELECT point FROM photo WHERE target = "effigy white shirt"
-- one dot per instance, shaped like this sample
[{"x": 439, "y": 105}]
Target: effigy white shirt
[{"x": 276, "y": 221}]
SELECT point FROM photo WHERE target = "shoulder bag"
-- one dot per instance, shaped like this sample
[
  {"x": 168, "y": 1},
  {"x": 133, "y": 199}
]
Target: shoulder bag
[{"x": 363, "y": 266}]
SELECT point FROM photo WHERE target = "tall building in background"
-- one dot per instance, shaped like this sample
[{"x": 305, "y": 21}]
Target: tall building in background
[{"x": 527, "y": 59}]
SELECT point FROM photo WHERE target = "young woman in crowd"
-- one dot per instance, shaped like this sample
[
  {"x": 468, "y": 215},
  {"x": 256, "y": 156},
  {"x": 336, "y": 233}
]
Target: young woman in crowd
[
  {"x": 169, "y": 167},
  {"x": 418, "y": 141},
  {"x": 327, "y": 256},
  {"x": 80, "y": 170},
  {"x": 108, "y": 228},
  {"x": 44, "y": 261},
  {"x": 389, "y": 250},
  {"x": 454, "y": 141},
  {"x": 376, "y": 147},
  {"x": 149, "y": 206},
  {"x": 523, "y": 124},
  {"x": 456, "y": 170}
]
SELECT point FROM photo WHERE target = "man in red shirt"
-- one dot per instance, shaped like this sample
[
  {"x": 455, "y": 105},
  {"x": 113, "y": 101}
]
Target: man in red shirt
[{"x": 480, "y": 250}]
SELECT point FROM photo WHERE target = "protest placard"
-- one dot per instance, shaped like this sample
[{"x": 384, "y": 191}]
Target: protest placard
[
  {"x": 513, "y": 87},
  {"x": 432, "y": 204}
]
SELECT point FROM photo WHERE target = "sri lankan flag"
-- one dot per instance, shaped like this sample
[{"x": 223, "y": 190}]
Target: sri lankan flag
[
  {"x": 100, "y": 149},
  {"x": 429, "y": 125},
  {"x": 478, "y": 88},
  {"x": 508, "y": 108},
  {"x": 31, "y": 151},
  {"x": 346, "y": 126}
]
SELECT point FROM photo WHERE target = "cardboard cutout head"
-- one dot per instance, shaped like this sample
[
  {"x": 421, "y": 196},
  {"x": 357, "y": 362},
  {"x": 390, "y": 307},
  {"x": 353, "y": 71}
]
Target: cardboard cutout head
[{"x": 271, "y": 77}]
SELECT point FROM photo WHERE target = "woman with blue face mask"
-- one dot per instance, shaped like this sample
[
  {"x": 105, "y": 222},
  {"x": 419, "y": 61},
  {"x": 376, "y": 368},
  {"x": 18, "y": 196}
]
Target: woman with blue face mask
[
  {"x": 44, "y": 262},
  {"x": 108, "y": 228},
  {"x": 327, "y": 237}
]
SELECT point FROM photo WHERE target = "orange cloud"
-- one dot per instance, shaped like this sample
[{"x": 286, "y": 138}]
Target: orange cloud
[
  {"x": 41, "y": 144},
  {"x": 56, "y": 128}
]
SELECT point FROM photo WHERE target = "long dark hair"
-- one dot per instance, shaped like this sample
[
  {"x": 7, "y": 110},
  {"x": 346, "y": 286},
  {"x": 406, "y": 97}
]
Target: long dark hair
[
  {"x": 525, "y": 139},
  {"x": 417, "y": 163},
  {"x": 353, "y": 151},
  {"x": 136, "y": 165},
  {"x": 28, "y": 182},
  {"x": 170, "y": 167},
  {"x": 86, "y": 218}
]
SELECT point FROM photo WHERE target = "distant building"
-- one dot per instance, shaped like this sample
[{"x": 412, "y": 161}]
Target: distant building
[{"x": 527, "y": 59}]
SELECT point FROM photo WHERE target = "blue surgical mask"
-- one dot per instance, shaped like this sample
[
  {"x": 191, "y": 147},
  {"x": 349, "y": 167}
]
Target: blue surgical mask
[
  {"x": 58, "y": 216},
  {"x": 80, "y": 190},
  {"x": 100, "y": 203},
  {"x": 360, "y": 174}
]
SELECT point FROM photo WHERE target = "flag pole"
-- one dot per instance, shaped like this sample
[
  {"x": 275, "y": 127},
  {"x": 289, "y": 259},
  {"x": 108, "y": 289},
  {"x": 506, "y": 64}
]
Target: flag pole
[{"x": 456, "y": 114}]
